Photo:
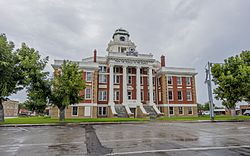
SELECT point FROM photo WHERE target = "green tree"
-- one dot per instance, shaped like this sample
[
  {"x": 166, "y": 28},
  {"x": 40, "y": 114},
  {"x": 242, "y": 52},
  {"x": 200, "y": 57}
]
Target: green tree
[
  {"x": 229, "y": 78},
  {"x": 66, "y": 87},
  {"x": 15, "y": 69},
  {"x": 38, "y": 84},
  {"x": 245, "y": 56},
  {"x": 9, "y": 72}
]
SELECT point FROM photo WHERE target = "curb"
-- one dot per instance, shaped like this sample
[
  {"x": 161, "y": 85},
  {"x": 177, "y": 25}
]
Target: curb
[{"x": 70, "y": 124}]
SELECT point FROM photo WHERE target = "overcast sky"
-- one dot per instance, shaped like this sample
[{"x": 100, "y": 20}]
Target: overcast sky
[{"x": 188, "y": 32}]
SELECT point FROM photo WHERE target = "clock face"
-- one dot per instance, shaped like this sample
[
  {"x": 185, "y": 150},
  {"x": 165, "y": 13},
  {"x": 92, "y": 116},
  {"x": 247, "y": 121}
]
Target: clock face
[{"x": 122, "y": 38}]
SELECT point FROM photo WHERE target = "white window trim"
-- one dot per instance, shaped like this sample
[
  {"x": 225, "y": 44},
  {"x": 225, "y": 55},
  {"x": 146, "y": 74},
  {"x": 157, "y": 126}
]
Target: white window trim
[
  {"x": 181, "y": 96},
  {"x": 128, "y": 79},
  {"x": 180, "y": 80},
  {"x": 89, "y": 98},
  {"x": 171, "y": 77},
  {"x": 76, "y": 112},
  {"x": 87, "y": 76},
  {"x": 141, "y": 80},
  {"x": 182, "y": 110},
  {"x": 129, "y": 70},
  {"x": 190, "y": 95},
  {"x": 188, "y": 81},
  {"x": 102, "y": 110},
  {"x": 115, "y": 95},
  {"x": 115, "y": 79},
  {"x": 173, "y": 110},
  {"x": 172, "y": 95},
  {"x": 102, "y": 75},
  {"x": 101, "y": 69},
  {"x": 116, "y": 69},
  {"x": 128, "y": 95},
  {"x": 102, "y": 99},
  {"x": 192, "y": 110}
]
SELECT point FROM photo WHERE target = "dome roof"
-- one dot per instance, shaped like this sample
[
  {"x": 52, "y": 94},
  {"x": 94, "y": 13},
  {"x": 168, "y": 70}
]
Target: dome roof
[{"x": 121, "y": 31}]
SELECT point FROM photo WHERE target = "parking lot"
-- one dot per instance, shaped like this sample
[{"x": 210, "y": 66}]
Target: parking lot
[{"x": 154, "y": 138}]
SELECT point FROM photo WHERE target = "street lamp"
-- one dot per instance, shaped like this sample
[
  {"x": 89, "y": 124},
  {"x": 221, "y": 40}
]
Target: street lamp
[{"x": 209, "y": 87}]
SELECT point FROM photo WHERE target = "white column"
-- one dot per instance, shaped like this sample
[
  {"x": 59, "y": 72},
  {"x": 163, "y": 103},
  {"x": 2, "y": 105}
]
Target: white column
[
  {"x": 138, "y": 85},
  {"x": 124, "y": 85},
  {"x": 111, "y": 80},
  {"x": 150, "y": 78}
]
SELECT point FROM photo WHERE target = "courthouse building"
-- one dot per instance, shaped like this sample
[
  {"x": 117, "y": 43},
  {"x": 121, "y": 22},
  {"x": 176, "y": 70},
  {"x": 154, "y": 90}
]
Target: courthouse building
[{"x": 128, "y": 83}]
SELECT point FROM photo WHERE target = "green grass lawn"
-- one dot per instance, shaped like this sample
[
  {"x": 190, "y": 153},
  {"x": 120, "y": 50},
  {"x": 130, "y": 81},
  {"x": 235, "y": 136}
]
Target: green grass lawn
[
  {"x": 41, "y": 120},
  {"x": 206, "y": 117}
]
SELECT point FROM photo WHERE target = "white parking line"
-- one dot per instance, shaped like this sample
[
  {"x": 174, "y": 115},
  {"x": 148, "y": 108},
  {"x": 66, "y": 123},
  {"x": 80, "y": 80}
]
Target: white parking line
[{"x": 181, "y": 149}]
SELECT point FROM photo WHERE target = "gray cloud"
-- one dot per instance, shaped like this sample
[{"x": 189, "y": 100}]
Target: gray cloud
[{"x": 189, "y": 33}]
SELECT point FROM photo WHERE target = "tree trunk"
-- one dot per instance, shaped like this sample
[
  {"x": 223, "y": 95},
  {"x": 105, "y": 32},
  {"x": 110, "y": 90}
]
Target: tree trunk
[
  {"x": 1, "y": 111},
  {"x": 233, "y": 113},
  {"x": 62, "y": 114}
]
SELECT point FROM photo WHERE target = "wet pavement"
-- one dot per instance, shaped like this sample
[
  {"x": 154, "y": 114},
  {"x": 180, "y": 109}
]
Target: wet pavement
[{"x": 155, "y": 138}]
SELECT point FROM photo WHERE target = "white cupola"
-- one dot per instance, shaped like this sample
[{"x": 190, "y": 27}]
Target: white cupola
[{"x": 120, "y": 42}]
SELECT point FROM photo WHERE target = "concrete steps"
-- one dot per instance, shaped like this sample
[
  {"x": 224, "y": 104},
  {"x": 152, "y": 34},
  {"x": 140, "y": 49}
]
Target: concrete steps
[
  {"x": 121, "y": 111},
  {"x": 151, "y": 111}
]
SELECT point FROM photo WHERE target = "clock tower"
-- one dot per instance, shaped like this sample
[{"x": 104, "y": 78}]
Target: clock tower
[{"x": 120, "y": 42}]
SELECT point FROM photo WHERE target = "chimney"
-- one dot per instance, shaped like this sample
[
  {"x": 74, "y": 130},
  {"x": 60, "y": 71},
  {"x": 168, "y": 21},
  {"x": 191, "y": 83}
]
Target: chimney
[
  {"x": 95, "y": 55},
  {"x": 162, "y": 60}
]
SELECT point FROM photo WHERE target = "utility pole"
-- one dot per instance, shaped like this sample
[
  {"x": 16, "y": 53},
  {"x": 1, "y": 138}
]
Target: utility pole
[{"x": 210, "y": 93}]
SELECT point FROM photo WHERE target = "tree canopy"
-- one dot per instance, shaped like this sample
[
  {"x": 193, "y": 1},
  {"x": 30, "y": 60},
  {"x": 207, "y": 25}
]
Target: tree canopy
[
  {"x": 66, "y": 87},
  {"x": 19, "y": 68},
  {"x": 232, "y": 79}
]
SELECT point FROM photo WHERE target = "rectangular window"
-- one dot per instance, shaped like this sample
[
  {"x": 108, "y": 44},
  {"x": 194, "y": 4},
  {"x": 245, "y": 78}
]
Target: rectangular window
[
  {"x": 189, "y": 95},
  {"x": 102, "y": 69},
  {"x": 129, "y": 95},
  {"x": 102, "y": 78},
  {"x": 180, "y": 110},
  {"x": 170, "y": 95},
  {"x": 130, "y": 70},
  {"x": 190, "y": 110},
  {"x": 88, "y": 76},
  {"x": 129, "y": 79},
  {"x": 142, "y": 96},
  {"x": 141, "y": 79},
  {"x": 116, "y": 79},
  {"x": 179, "y": 81},
  {"x": 102, "y": 95},
  {"x": 179, "y": 95},
  {"x": 123, "y": 49},
  {"x": 171, "y": 110},
  {"x": 116, "y": 95},
  {"x": 74, "y": 110},
  {"x": 141, "y": 71},
  {"x": 102, "y": 111},
  {"x": 88, "y": 93},
  {"x": 117, "y": 70},
  {"x": 153, "y": 81},
  {"x": 170, "y": 80},
  {"x": 188, "y": 81}
]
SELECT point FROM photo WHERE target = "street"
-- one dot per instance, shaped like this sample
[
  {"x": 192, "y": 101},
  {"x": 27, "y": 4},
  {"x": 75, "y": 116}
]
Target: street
[{"x": 154, "y": 138}]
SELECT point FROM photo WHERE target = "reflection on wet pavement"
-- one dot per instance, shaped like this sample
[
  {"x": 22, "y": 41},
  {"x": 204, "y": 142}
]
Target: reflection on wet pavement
[{"x": 154, "y": 138}]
